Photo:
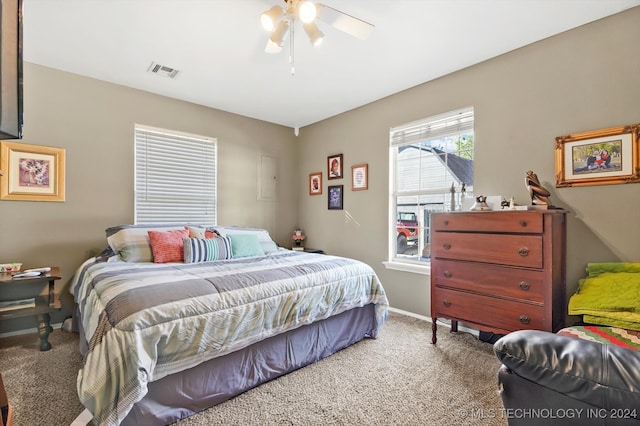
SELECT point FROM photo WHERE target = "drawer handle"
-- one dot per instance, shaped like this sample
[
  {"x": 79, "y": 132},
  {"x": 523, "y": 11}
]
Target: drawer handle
[
  {"x": 446, "y": 303},
  {"x": 446, "y": 223},
  {"x": 447, "y": 274},
  {"x": 524, "y": 285},
  {"x": 446, "y": 246},
  {"x": 523, "y": 223},
  {"x": 525, "y": 319},
  {"x": 523, "y": 252}
]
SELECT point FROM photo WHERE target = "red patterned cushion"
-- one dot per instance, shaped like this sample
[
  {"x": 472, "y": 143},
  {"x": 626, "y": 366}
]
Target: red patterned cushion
[
  {"x": 629, "y": 339},
  {"x": 167, "y": 246}
]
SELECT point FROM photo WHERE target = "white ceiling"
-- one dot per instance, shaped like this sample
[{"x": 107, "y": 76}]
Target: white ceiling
[{"x": 219, "y": 47}]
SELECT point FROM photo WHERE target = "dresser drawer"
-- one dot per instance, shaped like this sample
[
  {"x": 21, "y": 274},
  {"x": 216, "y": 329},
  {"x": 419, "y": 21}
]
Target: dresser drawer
[
  {"x": 492, "y": 312},
  {"x": 514, "y": 250},
  {"x": 505, "y": 222},
  {"x": 489, "y": 279}
]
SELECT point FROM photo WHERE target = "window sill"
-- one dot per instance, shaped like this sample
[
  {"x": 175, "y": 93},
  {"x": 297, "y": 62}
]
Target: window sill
[{"x": 424, "y": 269}]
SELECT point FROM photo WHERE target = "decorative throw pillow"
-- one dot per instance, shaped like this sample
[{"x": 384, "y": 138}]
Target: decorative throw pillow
[
  {"x": 167, "y": 246},
  {"x": 246, "y": 245},
  {"x": 268, "y": 245},
  {"x": 131, "y": 242},
  {"x": 198, "y": 250},
  {"x": 200, "y": 232}
]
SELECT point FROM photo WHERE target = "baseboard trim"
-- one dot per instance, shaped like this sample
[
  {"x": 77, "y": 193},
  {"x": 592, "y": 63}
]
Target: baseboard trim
[
  {"x": 441, "y": 321},
  {"x": 27, "y": 331}
]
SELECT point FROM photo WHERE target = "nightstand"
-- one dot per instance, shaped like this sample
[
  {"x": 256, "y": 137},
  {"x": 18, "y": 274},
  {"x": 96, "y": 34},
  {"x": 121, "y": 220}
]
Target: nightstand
[
  {"x": 312, "y": 250},
  {"x": 30, "y": 289}
]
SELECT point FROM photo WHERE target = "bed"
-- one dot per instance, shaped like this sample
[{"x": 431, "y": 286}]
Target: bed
[{"x": 164, "y": 338}]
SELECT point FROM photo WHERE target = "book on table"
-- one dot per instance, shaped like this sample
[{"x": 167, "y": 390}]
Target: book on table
[{"x": 17, "y": 304}]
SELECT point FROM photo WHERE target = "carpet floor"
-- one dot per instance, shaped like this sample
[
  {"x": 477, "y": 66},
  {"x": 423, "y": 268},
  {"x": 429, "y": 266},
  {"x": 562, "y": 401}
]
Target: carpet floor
[{"x": 398, "y": 379}]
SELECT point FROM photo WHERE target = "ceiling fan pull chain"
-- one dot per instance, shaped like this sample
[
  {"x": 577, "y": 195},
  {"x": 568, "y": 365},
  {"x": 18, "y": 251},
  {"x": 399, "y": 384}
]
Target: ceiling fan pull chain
[{"x": 291, "y": 49}]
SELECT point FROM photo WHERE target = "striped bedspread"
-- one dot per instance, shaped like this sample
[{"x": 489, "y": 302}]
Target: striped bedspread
[
  {"x": 144, "y": 321},
  {"x": 610, "y": 335}
]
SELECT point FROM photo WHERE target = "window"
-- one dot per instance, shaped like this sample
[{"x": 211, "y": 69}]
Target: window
[
  {"x": 431, "y": 170},
  {"x": 175, "y": 177}
]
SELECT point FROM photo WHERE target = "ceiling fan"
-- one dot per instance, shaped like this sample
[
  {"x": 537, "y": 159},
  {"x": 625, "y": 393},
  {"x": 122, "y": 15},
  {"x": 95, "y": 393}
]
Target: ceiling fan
[{"x": 279, "y": 21}]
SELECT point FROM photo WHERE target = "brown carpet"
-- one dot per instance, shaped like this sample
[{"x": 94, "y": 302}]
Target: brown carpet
[{"x": 398, "y": 379}]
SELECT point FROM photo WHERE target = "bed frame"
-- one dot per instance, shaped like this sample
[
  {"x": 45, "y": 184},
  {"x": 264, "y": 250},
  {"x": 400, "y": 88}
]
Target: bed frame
[{"x": 183, "y": 394}]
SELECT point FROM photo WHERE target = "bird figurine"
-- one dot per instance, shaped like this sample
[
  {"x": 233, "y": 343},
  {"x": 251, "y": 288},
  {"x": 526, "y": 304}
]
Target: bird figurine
[{"x": 539, "y": 195}]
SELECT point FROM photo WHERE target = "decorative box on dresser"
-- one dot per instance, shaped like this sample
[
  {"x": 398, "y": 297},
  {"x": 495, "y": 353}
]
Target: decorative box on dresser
[{"x": 499, "y": 271}]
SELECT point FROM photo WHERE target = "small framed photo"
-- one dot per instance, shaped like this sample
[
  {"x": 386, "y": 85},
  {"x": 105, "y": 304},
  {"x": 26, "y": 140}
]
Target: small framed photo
[
  {"x": 359, "y": 177},
  {"x": 334, "y": 166},
  {"x": 335, "y": 197},
  {"x": 598, "y": 157},
  {"x": 31, "y": 172},
  {"x": 315, "y": 183}
]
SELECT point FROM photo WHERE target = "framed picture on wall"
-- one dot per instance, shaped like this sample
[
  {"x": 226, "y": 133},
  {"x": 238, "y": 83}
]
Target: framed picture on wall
[
  {"x": 315, "y": 183},
  {"x": 598, "y": 157},
  {"x": 31, "y": 172},
  {"x": 335, "y": 197},
  {"x": 359, "y": 177},
  {"x": 334, "y": 166}
]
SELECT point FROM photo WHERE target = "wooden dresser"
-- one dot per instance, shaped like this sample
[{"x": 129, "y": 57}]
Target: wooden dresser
[{"x": 499, "y": 271}]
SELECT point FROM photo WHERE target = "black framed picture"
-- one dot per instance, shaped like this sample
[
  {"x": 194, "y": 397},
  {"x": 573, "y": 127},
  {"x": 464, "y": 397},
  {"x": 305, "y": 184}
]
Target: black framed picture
[{"x": 335, "y": 193}]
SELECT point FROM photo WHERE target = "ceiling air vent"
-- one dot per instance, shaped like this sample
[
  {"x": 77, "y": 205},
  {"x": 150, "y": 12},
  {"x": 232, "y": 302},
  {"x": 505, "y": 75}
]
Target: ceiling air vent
[{"x": 163, "y": 70}]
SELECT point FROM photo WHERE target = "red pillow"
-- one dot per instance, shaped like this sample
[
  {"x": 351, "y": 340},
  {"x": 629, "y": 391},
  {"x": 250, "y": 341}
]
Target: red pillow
[{"x": 167, "y": 246}]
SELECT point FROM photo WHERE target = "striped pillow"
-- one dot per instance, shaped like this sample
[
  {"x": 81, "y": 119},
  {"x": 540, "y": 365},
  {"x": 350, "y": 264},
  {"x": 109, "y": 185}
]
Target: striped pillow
[{"x": 198, "y": 250}]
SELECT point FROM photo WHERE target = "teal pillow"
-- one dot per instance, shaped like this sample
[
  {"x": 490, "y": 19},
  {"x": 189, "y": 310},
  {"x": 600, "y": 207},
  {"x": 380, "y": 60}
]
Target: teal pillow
[{"x": 245, "y": 245}]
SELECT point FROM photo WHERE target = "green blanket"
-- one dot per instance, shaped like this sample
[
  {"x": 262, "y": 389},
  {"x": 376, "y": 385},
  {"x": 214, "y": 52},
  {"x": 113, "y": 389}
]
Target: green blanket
[
  {"x": 595, "y": 269},
  {"x": 609, "y": 298}
]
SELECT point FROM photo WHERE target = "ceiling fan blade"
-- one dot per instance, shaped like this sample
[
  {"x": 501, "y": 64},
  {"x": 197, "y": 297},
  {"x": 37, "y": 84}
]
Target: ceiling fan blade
[{"x": 344, "y": 22}]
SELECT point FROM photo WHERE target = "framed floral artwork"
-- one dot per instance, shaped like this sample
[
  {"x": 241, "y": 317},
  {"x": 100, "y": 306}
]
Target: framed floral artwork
[
  {"x": 31, "y": 172},
  {"x": 335, "y": 197},
  {"x": 315, "y": 183},
  {"x": 359, "y": 177},
  {"x": 334, "y": 166},
  {"x": 598, "y": 157}
]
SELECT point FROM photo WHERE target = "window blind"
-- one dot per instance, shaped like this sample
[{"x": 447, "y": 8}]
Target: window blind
[
  {"x": 435, "y": 127},
  {"x": 175, "y": 177}
]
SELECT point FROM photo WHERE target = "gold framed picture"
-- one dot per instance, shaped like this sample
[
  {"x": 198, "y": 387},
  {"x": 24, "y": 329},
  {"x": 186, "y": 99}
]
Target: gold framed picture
[
  {"x": 598, "y": 157},
  {"x": 359, "y": 177},
  {"x": 31, "y": 172}
]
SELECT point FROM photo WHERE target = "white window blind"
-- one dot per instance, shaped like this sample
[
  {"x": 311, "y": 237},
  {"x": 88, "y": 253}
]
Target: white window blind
[
  {"x": 452, "y": 123},
  {"x": 175, "y": 177}
]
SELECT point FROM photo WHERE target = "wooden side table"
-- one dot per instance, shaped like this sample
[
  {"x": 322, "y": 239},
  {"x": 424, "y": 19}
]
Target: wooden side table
[
  {"x": 13, "y": 289},
  {"x": 312, "y": 250}
]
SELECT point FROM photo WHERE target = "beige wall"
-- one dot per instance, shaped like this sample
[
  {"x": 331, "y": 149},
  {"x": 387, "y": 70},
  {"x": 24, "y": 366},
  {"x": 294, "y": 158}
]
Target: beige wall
[
  {"x": 93, "y": 121},
  {"x": 585, "y": 79}
]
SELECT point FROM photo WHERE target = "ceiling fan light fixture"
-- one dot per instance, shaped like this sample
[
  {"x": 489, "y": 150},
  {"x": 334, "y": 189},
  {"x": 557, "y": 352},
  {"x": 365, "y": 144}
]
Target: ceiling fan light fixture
[
  {"x": 270, "y": 17},
  {"x": 315, "y": 35},
  {"x": 271, "y": 47},
  {"x": 280, "y": 33},
  {"x": 307, "y": 12}
]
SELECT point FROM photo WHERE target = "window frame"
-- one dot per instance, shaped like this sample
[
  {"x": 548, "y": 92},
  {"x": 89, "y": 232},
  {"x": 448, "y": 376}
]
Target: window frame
[{"x": 453, "y": 123}]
